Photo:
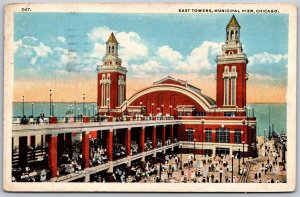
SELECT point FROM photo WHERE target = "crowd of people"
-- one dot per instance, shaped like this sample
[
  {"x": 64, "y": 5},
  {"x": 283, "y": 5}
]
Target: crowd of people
[
  {"x": 134, "y": 147},
  {"x": 148, "y": 144},
  {"x": 98, "y": 154},
  {"x": 271, "y": 164}
]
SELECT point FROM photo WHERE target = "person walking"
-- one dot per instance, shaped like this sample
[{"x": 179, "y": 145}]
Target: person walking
[{"x": 221, "y": 173}]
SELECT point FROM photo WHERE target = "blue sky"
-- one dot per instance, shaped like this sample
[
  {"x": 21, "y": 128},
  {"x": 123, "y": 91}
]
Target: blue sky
[{"x": 57, "y": 45}]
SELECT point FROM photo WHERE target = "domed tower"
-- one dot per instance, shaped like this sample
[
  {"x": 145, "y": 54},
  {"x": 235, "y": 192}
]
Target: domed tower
[
  {"x": 111, "y": 79},
  {"x": 232, "y": 70}
]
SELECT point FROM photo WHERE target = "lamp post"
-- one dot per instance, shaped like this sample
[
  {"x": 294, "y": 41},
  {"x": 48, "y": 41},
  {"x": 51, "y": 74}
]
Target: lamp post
[
  {"x": 283, "y": 155},
  {"x": 265, "y": 135},
  {"x": 158, "y": 110},
  {"x": 78, "y": 113},
  {"x": 32, "y": 109},
  {"x": 202, "y": 137},
  {"x": 194, "y": 149},
  {"x": 180, "y": 156},
  {"x": 174, "y": 113},
  {"x": 152, "y": 104},
  {"x": 231, "y": 168},
  {"x": 75, "y": 111},
  {"x": 23, "y": 107},
  {"x": 160, "y": 170},
  {"x": 141, "y": 103},
  {"x": 107, "y": 106},
  {"x": 162, "y": 110},
  {"x": 83, "y": 111},
  {"x": 50, "y": 92},
  {"x": 93, "y": 109},
  {"x": 243, "y": 152},
  {"x": 239, "y": 161},
  {"x": 170, "y": 107},
  {"x": 126, "y": 109}
]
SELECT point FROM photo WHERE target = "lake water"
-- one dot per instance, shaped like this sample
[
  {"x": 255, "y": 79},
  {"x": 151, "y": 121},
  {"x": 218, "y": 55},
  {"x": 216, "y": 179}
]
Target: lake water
[{"x": 261, "y": 111}]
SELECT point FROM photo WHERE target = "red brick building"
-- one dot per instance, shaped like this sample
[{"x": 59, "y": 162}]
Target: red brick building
[{"x": 209, "y": 126}]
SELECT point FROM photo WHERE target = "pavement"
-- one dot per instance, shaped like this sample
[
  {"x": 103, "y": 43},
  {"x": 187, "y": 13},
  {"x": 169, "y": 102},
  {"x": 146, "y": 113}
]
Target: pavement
[{"x": 203, "y": 165}]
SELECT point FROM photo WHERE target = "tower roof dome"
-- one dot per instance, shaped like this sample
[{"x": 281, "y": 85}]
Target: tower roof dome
[
  {"x": 233, "y": 22},
  {"x": 112, "y": 39}
]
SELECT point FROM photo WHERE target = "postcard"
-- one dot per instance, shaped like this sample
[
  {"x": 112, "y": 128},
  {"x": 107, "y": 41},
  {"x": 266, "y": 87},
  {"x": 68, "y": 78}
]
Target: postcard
[{"x": 150, "y": 97}]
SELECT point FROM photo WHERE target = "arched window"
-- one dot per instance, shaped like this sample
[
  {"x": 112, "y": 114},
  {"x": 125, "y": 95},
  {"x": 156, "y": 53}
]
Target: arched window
[
  {"x": 233, "y": 69},
  {"x": 113, "y": 49},
  {"x": 237, "y": 34},
  {"x": 226, "y": 69},
  {"x": 109, "y": 49},
  {"x": 222, "y": 135},
  {"x": 232, "y": 35}
]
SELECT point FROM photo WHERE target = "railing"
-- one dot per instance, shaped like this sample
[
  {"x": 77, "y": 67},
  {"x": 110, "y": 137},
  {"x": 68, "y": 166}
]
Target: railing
[{"x": 55, "y": 120}]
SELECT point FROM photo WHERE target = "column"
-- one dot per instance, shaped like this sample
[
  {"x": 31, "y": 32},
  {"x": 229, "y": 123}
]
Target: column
[
  {"x": 214, "y": 151},
  {"x": 142, "y": 139},
  {"x": 87, "y": 177},
  {"x": 230, "y": 150},
  {"x": 163, "y": 138},
  {"x": 128, "y": 141},
  {"x": 109, "y": 144},
  {"x": 231, "y": 137},
  {"x": 172, "y": 133},
  {"x": 23, "y": 151},
  {"x": 52, "y": 155},
  {"x": 153, "y": 136},
  {"x": 213, "y": 136},
  {"x": 86, "y": 149}
]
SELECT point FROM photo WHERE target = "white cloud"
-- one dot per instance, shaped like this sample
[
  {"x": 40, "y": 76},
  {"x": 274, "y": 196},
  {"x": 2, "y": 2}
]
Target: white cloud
[
  {"x": 30, "y": 38},
  {"x": 17, "y": 44},
  {"x": 131, "y": 45},
  {"x": 260, "y": 77},
  {"x": 201, "y": 57},
  {"x": 98, "y": 51},
  {"x": 33, "y": 60},
  {"x": 61, "y": 39},
  {"x": 147, "y": 68},
  {"x": 42, "y": 50},
  {"x": 32, "y": 50},
  {"x": 100, "y": 34},
  {"x": 266, "y": 58},
  {"x": 165, "y": 52}
]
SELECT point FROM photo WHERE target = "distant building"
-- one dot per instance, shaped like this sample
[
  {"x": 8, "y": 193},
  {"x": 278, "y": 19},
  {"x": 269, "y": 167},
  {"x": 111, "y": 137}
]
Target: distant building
[{"x": 217, "y": 127}]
